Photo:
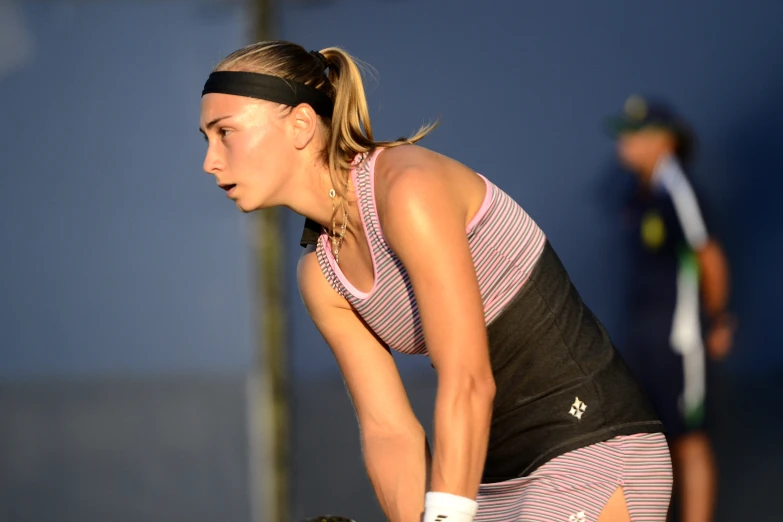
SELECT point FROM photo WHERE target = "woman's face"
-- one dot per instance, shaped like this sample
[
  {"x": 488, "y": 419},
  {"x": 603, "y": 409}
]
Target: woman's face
[{"x": 249, "y": 152}]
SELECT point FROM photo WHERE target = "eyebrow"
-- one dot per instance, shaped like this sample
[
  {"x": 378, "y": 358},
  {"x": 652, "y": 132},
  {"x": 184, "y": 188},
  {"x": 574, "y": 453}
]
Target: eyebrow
[{"x": 212, "y": 124}]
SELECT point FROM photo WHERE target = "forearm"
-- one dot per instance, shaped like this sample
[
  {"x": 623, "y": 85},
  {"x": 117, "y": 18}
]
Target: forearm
[
  {"x": 463, "y": 412},
  {"x": 714, "y": 279},
  {"x": 398, "y": 467}
]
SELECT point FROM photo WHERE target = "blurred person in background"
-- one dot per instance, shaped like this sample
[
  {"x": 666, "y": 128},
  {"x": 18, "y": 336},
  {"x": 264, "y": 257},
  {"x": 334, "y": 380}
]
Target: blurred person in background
[
  {"x": 676, "y": 260},
  {"x": 537, "y": 418}
]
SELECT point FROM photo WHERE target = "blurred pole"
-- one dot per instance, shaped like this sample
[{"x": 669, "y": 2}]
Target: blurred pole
[{"x": 271, "y": 398}]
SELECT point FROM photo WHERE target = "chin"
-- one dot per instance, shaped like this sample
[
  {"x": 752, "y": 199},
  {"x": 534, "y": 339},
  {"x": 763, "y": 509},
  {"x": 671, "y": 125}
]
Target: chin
[
  {"x": 244, "y": 208},
  {"x": 247, "y": 207}
]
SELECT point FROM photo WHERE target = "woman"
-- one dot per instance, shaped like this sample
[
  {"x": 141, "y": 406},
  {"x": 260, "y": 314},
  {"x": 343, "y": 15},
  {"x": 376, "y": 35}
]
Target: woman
[{"x": 536, "y": 416}]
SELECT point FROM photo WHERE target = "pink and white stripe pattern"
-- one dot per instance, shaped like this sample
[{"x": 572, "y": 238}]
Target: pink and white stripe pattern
[
  {"x": 575, "y": 486},
  {"x": 504, "y": 241}
]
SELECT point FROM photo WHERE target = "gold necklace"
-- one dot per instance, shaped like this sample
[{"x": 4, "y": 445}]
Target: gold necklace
[{"x": 337, "y": 239}]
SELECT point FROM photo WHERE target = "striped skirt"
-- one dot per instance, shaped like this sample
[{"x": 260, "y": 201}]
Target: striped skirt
[{"x": 575, "y": 486}]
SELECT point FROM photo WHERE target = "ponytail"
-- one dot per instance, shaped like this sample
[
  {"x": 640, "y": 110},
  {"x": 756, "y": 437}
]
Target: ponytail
[{"x": 350, "y": 132}]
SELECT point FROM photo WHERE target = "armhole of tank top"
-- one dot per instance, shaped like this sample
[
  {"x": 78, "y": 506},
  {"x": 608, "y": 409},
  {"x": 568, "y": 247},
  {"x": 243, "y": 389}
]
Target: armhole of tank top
[
  {"x": 474, "y": 221},
  {"x": 482, "y": 211},
  {"x": 373, "y": 207},
  {"x": 326, "y": 263}
]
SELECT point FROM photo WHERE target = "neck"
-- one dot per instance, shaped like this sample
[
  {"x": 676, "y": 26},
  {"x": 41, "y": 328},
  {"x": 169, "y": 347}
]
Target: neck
[{"x": 310, "y": 197}]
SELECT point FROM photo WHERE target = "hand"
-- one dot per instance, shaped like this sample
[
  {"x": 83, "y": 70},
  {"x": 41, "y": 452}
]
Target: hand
[{"x": 721, "y": 336}]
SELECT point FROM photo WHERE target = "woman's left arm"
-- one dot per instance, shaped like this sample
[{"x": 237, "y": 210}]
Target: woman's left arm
[{"x": 424, "y": 222}]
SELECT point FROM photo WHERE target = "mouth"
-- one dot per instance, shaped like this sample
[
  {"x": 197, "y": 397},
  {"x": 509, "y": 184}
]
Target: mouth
[{"x": 227, "y": 186}]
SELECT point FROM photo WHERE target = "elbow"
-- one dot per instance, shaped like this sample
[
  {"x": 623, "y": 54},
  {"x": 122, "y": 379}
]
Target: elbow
[
  {"x": 482, "y": 385},
  {"x": 477, "y": 387},
  {"x": 711, "y": 252},
  {"x": 486, "y": 388}
]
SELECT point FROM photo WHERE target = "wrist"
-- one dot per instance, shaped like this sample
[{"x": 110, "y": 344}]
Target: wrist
[
  {"x": 445, "y": 507},
  {"x": 722, "y": 318}
]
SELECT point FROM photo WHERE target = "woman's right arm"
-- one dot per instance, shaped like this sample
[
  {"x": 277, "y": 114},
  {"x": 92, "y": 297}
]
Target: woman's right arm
[{"x": 394, "y": 444}]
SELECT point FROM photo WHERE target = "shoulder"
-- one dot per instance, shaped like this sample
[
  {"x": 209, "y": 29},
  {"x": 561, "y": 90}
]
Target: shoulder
[
  {"x": 672, "y": 177},
  {"x": 410, "y": 177},
  {"x": 406, "y": 166},
  {"x": 422, "y": 196},
  {"x": 404, "y": 156}
]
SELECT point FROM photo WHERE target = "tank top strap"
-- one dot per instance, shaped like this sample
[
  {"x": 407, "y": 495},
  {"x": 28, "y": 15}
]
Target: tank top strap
[{"x": 363, "y": 179}]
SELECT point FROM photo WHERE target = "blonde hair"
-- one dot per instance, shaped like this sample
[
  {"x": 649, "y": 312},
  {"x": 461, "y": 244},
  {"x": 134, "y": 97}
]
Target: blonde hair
[{"x": 348, "y": 132}]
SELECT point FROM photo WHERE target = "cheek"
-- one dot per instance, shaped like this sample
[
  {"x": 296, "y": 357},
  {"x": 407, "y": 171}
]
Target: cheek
[
  {"x": 269, "y": 152},
  {"x": 622, "y": 150},
  {"x": 247, "y": 155},
  {"x": 629, "y": 152},
  {"x": 257, "y": 138}
]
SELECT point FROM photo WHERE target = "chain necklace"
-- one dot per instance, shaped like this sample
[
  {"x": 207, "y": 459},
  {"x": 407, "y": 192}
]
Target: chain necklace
[{"x": 337, "y": 239}]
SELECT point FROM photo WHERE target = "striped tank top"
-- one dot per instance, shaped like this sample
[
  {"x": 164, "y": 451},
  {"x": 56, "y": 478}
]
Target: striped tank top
[{"x": 504, "y": 242}]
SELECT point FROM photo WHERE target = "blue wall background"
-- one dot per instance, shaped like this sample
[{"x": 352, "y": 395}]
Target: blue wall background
[
  {"x": 127, "y": 306},
  {"x": 118, "y": 257},
  {"x": 127, "y": 310}
]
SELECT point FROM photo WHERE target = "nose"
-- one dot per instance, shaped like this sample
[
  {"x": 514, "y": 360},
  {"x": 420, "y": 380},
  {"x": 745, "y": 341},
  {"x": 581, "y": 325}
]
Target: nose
[{"x": 213, "y": 163}]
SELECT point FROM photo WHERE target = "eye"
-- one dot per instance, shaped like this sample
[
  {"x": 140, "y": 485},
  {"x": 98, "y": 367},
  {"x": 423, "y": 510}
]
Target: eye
[{"x": 224, "y": 132}]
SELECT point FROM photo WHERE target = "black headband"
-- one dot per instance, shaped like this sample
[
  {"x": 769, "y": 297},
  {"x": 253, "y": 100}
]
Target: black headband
[{"x": 270, "y": 88}]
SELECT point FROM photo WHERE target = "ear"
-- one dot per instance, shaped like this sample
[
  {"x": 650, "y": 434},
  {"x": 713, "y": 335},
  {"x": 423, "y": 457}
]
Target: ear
[
  {"x": 670, "y": 142},
  {"x": 304, "y": 122}
]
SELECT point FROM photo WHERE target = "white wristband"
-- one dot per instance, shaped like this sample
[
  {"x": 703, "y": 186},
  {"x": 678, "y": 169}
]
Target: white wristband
[{"x": 445, "y": 507}]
